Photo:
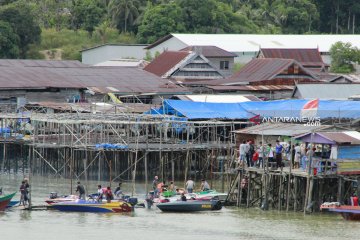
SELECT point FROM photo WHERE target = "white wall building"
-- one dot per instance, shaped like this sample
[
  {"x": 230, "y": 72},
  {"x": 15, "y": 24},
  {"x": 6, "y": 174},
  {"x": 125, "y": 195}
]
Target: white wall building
[
  {"x": 246, "y": 46},
  {"x": 108, "y": 52}
]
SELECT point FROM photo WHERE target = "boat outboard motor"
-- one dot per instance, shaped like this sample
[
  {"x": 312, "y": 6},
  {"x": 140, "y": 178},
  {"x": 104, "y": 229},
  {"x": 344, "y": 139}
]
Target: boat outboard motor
[
  {"x": 132, "y": 201},
  {"x": 217, "y": 206},
  {"x": 53, "y": 195}
]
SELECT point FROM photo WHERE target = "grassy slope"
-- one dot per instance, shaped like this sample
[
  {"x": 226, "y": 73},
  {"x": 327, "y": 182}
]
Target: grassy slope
[{"x": 66, "y": 44}]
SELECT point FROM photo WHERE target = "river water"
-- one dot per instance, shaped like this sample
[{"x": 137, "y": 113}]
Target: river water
[{"x": 229, "y": 223}]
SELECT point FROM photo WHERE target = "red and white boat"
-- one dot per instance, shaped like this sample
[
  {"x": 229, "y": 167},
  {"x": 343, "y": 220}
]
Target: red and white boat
[
  {"x": 347, "y": 212},
  {"x": 54, "y": 198}
]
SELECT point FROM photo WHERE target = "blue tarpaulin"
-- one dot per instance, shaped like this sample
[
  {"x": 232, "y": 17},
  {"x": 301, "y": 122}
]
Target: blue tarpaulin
[
  {"x": 246, "y": 110},
  {"x": 201, "y": 110},
  {"x": 292, "y": 108}
]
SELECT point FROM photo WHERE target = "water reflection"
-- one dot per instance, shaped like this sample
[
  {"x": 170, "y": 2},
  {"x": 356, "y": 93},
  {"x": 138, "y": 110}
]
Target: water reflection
[{"x": 229, "y": 223}]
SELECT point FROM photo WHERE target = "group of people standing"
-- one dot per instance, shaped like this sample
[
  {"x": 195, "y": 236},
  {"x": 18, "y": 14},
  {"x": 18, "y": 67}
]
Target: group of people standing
[
  {"x": 256, "y": 155},
  {"x": 101, "y": 192},
  {"x": 160, "y": 186}
]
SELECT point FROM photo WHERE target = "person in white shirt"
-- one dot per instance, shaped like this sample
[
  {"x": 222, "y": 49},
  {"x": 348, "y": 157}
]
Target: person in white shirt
[
  {"x": 242, "y": 150},
  {"x": 190, "y": 185}
]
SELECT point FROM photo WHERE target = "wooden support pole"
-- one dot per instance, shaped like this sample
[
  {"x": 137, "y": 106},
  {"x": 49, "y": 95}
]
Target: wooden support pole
[
  {"x": 280, "y": 191},
  {"x": 306, "y": 192},
  {"x": 340, "y": 190},
  {"x": 248, "y": 190},
  {"x": 239, "y": 189},
  {"x": 146, "y": 171}
]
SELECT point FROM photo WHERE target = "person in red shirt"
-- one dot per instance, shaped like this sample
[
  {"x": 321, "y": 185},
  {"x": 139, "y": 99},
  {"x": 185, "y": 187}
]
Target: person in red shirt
[{"x": 109, "y": 194}]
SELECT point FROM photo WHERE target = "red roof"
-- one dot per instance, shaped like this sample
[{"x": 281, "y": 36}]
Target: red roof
[
  {"x": 165, "y": 61},
  {"x": 210, "y": 51},
  {"x": 305, "y": 56}
]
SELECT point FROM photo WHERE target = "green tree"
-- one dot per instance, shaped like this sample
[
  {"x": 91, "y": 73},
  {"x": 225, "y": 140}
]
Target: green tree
[
  {"x": 86, "y": 14},
  {"x": 8, "y": 41},
  {"x": 22, "y": 20},
  {"x": 159, "y": 21},
  {"x": 124, "y": 13},
  {"x": 206, "y": 16},
  {"x": 343, "y": 57}
]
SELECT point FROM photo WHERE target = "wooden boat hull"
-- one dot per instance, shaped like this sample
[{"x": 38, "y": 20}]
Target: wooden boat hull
[
  {"x": 190, "y": 206},
  {"x": 86, "y": 206},
  {"x": 5, "y": 200}
]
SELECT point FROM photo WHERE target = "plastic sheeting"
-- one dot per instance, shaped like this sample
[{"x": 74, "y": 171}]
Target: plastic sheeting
[
  {"x": 245, "y": 110},
  {"x": 201, "y": 110}
]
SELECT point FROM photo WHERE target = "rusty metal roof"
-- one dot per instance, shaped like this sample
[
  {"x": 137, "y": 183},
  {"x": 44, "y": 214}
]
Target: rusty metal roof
[
  {"x": 210, "y": 51},
  {"x": 253, "y": 88},
  {"x": 352, "y": 137},
  {"x": 260, "y": 69},
  {"x": 41, "y": 63},
  {"x": 166, "y": 61},
  {"x": 305, "y": 56},
  {"x": 36, "y": 74}
]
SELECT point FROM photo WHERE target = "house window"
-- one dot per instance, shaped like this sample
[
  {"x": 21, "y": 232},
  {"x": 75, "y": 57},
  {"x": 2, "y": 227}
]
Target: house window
[
  {"x": 224, "y": 65},
  {"x": 296, "y": 69}
]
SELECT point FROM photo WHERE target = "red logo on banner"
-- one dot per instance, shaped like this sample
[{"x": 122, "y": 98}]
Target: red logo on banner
[{"x": 256, "y": 119}]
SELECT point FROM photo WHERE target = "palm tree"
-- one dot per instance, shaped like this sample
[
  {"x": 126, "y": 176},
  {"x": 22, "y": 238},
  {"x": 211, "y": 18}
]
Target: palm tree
[{"x": 124, "y": 11}]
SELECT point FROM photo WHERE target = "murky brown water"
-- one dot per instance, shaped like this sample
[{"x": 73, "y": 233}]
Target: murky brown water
[{"x": 229, "y": 223}]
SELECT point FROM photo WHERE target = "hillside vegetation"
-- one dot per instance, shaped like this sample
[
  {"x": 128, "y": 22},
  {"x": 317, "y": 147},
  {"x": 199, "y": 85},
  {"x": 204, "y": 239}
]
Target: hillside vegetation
[{"x": 60, "y": 28}]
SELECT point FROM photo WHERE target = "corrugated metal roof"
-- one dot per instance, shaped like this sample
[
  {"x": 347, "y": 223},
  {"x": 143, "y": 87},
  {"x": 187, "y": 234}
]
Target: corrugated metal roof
[
  {"x": 253, "y": 42},
  {"x": 210, "y": 51},
  {"x": 123, "y": 63},
  {"x": 126, "y": 79},
  {"x": 280, "y": 129},
  {"x": 342, "y": 137},
  {"x": 336, "y": 91},
  {"x": 166, "y": 61},
  {"x": 41, "y": 63},
  {"x": 260, "y": 70},
  {"x": 224, "y": 98},
  {"x": 253, "y": 88},
  {"x": 114, "y": 44},
  {"x": 306, "y": 56}
]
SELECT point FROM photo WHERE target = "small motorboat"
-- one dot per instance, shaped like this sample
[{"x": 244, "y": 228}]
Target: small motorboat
[
  {"x": 5, "y": 200},
  {"x": 93, "y": 206},
  {"x": 190, "y": 206},
  {"x": 347, "y": 212},
  {"x": 54, "y": 198}
]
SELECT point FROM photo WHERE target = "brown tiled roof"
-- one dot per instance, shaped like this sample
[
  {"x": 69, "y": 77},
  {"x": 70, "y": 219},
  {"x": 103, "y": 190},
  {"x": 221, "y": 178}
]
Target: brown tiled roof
[
  {"x": 108, "y": 79},
  {"x": 210, "y": 51},
  {"x": 305, "y": 56},
  {"x": 165, "y": 61}
]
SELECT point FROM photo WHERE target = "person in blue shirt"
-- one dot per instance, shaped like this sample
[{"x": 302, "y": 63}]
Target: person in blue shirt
[{"x": 278, "y": 154}]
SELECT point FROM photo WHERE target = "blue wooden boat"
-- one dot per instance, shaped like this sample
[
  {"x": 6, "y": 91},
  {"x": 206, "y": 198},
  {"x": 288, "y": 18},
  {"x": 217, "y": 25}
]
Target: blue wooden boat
[
  {"x": 190, "y": 206},
  {"x": 93, "y": 206},
  {"x": 12, "y": 204}
]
